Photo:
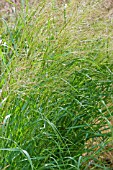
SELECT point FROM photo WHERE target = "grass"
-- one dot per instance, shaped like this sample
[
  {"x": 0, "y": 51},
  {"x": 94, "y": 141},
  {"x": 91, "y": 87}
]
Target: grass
[{"x": 56, "y": 87}]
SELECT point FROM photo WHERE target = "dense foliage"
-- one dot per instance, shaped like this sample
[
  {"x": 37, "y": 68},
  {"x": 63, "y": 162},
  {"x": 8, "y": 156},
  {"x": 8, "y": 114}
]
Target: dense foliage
[{"x": 56, "y": 87}]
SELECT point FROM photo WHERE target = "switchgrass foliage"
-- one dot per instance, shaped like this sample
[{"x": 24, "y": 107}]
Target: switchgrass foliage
[{"x": 56, "y": 86}]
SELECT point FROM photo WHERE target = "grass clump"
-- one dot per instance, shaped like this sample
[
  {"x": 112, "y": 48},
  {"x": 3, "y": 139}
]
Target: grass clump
[{"x": 56, "y": 87}]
